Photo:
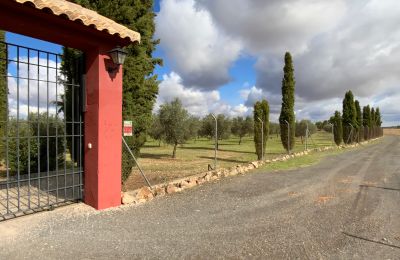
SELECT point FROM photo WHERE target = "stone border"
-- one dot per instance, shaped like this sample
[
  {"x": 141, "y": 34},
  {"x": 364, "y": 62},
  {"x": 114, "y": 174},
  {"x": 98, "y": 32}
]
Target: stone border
[{"x": 145, "y": 194}]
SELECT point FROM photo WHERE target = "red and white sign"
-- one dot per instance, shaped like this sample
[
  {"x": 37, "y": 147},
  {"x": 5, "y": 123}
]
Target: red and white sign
[{"x": 128, "y": 128}]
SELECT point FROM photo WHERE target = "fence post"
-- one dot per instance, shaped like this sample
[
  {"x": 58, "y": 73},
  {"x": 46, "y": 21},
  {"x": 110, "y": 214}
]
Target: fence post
[
  {"x": 306, "y": 141},
  {"x": 333, "y": 134},
  {"x": 137, "y": 164},
  {"x": 288, "y": 137},
  {"x": 216, "y": 141},
  {"x": 262, "y": 138}
]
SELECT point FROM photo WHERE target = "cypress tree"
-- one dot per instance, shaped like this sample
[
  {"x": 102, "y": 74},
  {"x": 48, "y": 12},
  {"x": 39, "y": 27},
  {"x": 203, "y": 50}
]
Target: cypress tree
[
  {"x": 349, "y": 117},
  {"x": 366, "y": 121},
  {"x": 373, "y": 119},
  {"x": 359, "y": 120},
  {"x": 378, "y": 120},
  {"x": 336, "y": 120},
  {"x": 288, "y": 98},
  {"x": 261, "y": 111},
  {"x": 373, "y": 123},
  {"x": 140, "y": 85},
  {"x": 3, "y": 93}
]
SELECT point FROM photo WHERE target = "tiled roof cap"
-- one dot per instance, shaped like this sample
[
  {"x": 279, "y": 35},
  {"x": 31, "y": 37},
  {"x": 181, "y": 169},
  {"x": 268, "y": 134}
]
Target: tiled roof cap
[{"x": 77, "y": 13}]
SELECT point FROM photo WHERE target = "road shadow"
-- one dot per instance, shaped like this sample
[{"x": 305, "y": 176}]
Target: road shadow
[
  {"x": 152, "y": 146},
  {"x": 154, "y": 156},
  {"x": 224, "y": 160},
  {"x": 377, "y": 187},
  {"x": 370, "y": 240},
  {"x": 212, "y": 149}
]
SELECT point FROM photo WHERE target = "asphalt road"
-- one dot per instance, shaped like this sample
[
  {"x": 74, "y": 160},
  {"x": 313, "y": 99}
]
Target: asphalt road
[{"x": 346, "y": 207}]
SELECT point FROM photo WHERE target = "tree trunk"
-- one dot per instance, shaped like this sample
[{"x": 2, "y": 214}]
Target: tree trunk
[
  {"x": 159, "y": 143},
  {"x": 301, "y": 137},
  {"x": 240, "y": 140},
  {"x": 174, "y": 152}
]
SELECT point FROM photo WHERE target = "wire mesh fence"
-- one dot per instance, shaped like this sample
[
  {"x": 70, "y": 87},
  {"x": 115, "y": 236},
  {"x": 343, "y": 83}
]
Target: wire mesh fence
[{"x": 195, "y": 155}]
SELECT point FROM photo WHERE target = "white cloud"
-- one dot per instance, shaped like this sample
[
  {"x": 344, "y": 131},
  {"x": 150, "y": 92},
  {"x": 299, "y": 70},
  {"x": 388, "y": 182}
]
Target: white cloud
[
  {"x": 274, "y": 26},
  {"x": 197, "y": 102},
  {"x": 337, "y": 45},
  {"x": 43, "y": 92},
  {"x": 199, "y": 52}
]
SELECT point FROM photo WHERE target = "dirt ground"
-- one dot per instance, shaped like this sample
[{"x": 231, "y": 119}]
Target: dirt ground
[
  {"x": 391, "y": 131},
  {"x": 346, "y": 207},
  {"x": 195, "y": 156}
]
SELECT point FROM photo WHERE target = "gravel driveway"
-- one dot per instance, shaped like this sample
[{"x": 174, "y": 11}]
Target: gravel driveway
[{"x": 348, "y": 206}]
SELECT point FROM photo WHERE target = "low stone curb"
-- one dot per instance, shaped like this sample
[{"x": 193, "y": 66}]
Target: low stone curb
[{"x": 145, "y": 194}]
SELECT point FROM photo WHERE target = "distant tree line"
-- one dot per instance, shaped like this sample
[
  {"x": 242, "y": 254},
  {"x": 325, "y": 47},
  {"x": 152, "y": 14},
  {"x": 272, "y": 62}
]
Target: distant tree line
[
  {"x": 353, "y": 124},
  {"x": 174, "y": 125}
]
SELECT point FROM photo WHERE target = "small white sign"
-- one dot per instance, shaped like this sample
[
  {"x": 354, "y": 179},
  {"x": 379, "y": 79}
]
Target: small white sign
[{"x": 128, "y": 128}]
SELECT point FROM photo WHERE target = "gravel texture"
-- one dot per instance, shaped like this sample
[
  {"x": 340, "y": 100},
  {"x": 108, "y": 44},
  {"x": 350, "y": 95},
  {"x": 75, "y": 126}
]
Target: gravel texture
[{"x": 346, "y": 207}]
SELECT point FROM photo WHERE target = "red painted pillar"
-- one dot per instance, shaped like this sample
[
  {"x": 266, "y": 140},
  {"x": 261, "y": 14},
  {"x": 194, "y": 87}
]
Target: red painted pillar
[{"x": 103, "y": 130}]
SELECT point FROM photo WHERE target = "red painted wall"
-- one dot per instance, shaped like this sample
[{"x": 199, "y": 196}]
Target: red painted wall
[{"x": 103, "y": 121}]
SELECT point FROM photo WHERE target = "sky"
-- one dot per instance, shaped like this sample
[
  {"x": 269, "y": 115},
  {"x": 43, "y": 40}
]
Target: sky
[
  {"x": 221, "y": 56},
  {"x": 30, "y": 87}
]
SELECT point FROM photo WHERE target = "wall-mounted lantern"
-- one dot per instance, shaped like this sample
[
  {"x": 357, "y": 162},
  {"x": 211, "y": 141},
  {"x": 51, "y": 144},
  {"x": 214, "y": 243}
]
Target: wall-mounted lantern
[{"x": 118, "y": 56}]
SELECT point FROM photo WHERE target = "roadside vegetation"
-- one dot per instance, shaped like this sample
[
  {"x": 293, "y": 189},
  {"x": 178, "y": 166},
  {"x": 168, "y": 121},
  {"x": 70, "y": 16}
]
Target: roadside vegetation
[
  {"x": 194, "y": 155},
  {"x": 194, "y": 141}
]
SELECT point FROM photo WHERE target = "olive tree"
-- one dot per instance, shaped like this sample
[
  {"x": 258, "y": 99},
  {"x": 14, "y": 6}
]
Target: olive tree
[{"x": 174, "y": 119}]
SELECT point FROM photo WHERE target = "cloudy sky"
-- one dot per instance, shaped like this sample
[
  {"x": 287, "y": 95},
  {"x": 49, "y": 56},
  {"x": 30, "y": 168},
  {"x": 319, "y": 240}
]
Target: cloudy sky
[{"x": 223, "y": 55}]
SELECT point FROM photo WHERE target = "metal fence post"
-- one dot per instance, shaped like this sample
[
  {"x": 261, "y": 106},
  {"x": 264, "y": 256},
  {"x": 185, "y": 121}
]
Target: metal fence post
[
  {"x": 351, "y": 134},
  {"x": 333, "y": 135},
  {"x": 306, "y": 141},
  {"x": 288, "y": 137},
  {"x": 262, "y": 139},
  {"x": 137, "y": 164},
  {"x": 216, "y": 141}
]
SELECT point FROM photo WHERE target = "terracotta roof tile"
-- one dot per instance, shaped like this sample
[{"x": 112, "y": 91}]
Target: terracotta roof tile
[{"x": 77, "y": 13}]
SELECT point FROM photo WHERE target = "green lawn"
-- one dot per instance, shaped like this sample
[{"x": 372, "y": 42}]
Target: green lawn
[{"x": 194, "y": 156}]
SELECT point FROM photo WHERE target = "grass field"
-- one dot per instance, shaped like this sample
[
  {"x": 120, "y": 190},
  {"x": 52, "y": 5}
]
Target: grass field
[
  {"x": 194, "y": 156},
  {"x": 391, "y": 131}
]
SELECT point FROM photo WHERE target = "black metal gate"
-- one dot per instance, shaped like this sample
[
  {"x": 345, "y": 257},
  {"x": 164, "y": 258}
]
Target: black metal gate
[{"x": 41, "y": 131}]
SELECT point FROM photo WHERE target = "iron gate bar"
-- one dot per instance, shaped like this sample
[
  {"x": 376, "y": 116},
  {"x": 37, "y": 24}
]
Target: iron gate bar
[
  {"x": 18, "y": 71},
  {"x": 65, "y": 146},
  {"x": 20, "y": 187},
  {"x": 56, "y": 130},
  {"x": 7, "y": 145},
  {"x": 72, "y": 140},
  {"x": 29, "y": 141},
  {"x": 38, "y": 124},
  {"x": 47, "y": 129}
]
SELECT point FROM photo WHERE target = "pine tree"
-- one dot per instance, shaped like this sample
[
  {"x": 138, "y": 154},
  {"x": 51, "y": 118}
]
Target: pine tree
[
  {"x": 140, "y": 85},
  {"x": 367, "y": 122},
  {"x": 261, "y": 111},
  {"x": 359, "y": 120},
  {"x": 349, "y": 117},
  {"x": 288, "y": 99},
  {"x": 336, "y": 120},
  {"x": 3, "y": 93}
]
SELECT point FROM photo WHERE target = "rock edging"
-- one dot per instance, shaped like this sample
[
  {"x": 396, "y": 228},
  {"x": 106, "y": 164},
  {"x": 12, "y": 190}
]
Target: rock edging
[{"x": 145, "y": 194}]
